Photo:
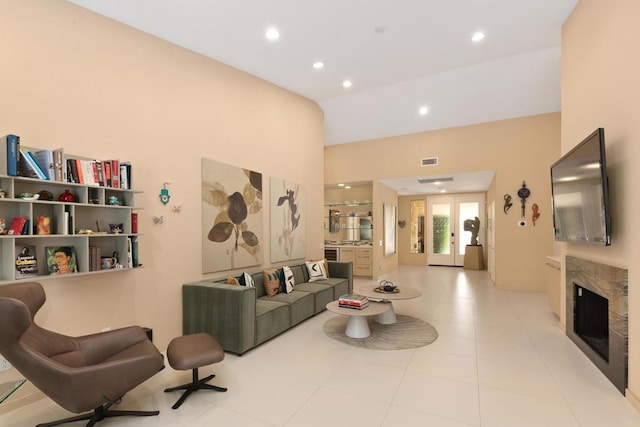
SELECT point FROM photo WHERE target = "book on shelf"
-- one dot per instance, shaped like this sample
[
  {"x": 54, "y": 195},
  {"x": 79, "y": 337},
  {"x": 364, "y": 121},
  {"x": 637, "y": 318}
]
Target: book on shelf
[
  {"x": 107, "y": 172},
  {"x": 129, "y": 252},
  {"x": 95, "y": 258},
  {"x": 125, "y": 175},
  {"x": 17, "y": 225},
  {"x": 134, "y": 253},
  {"x": 25, "y": 227},
  {"x": 26, "y": 261},
  {"x": 60, "y": 170},
  {"x": 28, "y": 165},
  {"x": 115, "y": 173},
  {"x": 61, "y": 259},
  {"x": 10, "y": 155},
  {"x": 44, "y": 158},
  {"x": 72, "y": 171},
  {"x": 134, "y": 223},
  {"x": 79, "y": 171}
]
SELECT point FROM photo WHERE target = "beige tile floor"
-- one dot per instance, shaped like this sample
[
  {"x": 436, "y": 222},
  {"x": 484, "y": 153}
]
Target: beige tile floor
[{"x": 500, "y": 360}]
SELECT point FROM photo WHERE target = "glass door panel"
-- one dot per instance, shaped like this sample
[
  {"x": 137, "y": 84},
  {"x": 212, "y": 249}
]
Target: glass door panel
[
  {"x": 447, "y": 238},
  {"x": 441, "y": 225},
  {"x": 440, "y": 211}
]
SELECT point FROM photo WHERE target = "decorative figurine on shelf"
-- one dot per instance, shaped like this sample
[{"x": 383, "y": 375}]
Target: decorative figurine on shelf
[
  {"x": 507, "y": 203},
  {"x": 473, "y": 225},
  {"x": 45, "y": 195},
  {"x": 113, "y": 201},
  {"x": 536, "y": 213},
  {"x": 67, "y": 196},
  {"x": 164, "y": 193}
]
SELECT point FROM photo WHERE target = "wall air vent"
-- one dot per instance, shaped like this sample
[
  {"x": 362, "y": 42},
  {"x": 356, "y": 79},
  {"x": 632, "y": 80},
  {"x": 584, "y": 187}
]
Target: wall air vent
[
  {"x": 429, "y": 161},
  {"x": 434, "y": 180}
]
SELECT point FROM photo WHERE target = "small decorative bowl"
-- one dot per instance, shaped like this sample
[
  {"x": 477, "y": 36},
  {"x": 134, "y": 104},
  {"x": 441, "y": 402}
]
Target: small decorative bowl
[{"x": 28, "y": 196}]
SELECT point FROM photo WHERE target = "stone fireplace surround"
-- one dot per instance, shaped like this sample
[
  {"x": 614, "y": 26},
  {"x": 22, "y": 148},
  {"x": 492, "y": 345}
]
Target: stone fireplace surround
[{"x": 611, "y": 283}]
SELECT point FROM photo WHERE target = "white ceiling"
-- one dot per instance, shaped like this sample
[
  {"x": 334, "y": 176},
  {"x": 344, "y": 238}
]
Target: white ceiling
[{"x": 424, "y": 58}]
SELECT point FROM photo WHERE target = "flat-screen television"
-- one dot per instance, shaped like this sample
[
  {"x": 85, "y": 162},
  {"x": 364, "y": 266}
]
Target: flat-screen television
[{"x": 580, "y": 193}]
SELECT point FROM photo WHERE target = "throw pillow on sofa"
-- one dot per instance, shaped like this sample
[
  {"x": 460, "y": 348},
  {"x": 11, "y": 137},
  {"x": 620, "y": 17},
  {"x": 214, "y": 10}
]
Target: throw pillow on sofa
[
  {"x": 232, "y": 281},
  {"x": 245, "y": 279},
  {"x": 288, "y": 281},
  {"x": 316, "y": 271},
  {"x": 324, "y": 263},
  {"x": 271, "y": 281}
]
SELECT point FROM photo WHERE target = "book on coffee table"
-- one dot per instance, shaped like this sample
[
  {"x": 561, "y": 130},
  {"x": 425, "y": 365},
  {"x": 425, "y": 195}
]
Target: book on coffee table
[{"x": 353, "y": 301}]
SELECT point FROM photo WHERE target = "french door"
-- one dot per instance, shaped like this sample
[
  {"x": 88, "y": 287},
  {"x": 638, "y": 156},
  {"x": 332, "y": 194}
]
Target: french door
[{"x": 446, "y": 236}]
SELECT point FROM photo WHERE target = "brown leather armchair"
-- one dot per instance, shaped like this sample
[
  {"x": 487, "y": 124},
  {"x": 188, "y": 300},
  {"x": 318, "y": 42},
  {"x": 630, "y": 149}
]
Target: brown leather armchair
[{"x": 88, "y": 373}]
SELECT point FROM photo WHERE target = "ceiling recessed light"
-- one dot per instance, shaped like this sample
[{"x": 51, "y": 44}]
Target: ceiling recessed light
[
  {"x": 347, "y": 187},
  {"x": 318, "y": 65},
  {"x": 272, "y": 33},
  {"x": 477, "y": 36},
  {"x": 423, "y": 111},
  {"x": 346, "y": 84},
  {"x": 340, "y": 185}
]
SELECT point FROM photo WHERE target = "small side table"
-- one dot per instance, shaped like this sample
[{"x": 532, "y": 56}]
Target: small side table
[
  {"x": 357, "y": 325},
  {"x": 389, "y": 317}
]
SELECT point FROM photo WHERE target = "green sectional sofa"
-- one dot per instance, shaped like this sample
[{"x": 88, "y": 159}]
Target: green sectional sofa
[{"x": 242, "y": 317}]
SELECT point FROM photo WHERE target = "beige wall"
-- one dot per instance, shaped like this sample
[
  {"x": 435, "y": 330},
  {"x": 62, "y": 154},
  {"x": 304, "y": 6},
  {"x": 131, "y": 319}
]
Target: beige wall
[
  {"x": 516, "y": 149},
  {"x": 601, "y": 88},
  {"x": 97, "y": 88}
]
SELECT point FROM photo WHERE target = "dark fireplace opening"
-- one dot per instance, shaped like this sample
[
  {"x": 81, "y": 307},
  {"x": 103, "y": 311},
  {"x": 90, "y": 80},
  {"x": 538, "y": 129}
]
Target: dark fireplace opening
[{"x": 591, "y": 319}]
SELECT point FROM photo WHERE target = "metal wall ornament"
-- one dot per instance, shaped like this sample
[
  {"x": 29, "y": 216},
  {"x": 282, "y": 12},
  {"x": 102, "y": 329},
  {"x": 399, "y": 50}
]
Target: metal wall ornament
[
  {"x": 507, "y": 203},
  {"x": 164, "y": 193},
  {"x": 523, "y": 193},
  {"x": 536, "y": 213}
]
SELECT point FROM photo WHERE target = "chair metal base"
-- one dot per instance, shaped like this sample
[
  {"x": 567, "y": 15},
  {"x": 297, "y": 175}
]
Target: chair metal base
[
  {"x": 99, "y": 414},
  {"x": 194, "y": 385}
]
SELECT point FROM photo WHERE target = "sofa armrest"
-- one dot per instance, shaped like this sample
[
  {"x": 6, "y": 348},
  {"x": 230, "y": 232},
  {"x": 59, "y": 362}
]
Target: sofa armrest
[
  {"x": 226, "y": 312},
  {"x": 343, "y": 270}
]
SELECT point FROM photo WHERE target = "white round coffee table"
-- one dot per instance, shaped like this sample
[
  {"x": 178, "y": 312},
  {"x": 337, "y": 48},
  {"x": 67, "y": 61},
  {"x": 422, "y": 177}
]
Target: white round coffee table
[
  {"x": 389, "y": 316},
  {"x": 357, "y": 326}
]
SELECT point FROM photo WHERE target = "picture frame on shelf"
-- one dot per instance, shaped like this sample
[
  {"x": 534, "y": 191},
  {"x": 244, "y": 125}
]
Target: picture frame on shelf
[{"x": 61, "y": 260}]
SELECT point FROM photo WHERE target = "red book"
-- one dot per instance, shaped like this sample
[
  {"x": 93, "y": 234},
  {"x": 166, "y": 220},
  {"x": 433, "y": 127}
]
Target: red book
[
  {"x": 17, "y": 225},
  {"x": 134, "y": 222},
  {"x": 94, "y": 168},
  {"x": 81, "y": 179},
  {"x": 115, "y": 173},
  {"x": 107, "y": 172}
]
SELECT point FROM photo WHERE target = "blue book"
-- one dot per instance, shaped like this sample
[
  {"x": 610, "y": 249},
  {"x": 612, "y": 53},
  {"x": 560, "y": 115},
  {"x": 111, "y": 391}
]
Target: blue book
[
  {"x": 30, "y": 165},
  {"x": 44, "y": 158},
  {"x": 13, "y": 145}
]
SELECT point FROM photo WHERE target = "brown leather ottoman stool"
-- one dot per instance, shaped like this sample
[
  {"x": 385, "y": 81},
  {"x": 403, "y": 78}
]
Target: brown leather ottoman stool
[{"x": 193, "y": 352}]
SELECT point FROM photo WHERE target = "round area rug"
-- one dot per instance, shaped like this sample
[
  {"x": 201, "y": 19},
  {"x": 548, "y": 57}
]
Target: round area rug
[{"x": 407, "y": 332}]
